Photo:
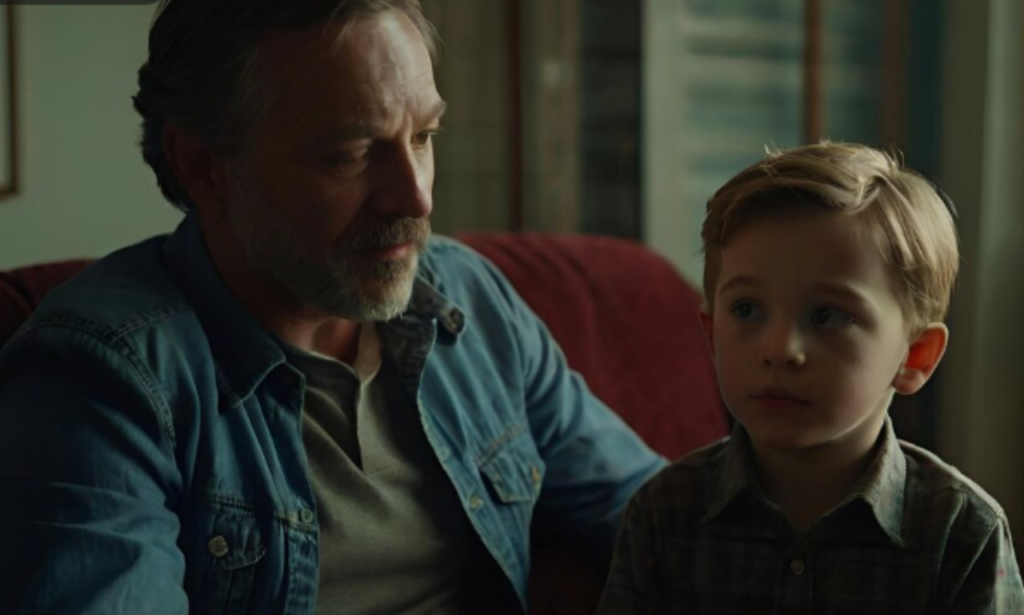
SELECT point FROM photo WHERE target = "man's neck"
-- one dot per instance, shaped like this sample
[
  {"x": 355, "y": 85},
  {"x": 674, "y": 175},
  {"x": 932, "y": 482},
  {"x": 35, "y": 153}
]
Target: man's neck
[{"x": 808, "y": 483}]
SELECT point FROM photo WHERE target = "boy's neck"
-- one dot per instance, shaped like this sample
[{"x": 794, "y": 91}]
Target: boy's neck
[{"x": 808, "y": 483}]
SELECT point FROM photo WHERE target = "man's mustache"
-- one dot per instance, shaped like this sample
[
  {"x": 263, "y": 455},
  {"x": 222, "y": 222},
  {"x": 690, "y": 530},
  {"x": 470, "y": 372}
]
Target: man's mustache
[{"x": 391, "y": 232}]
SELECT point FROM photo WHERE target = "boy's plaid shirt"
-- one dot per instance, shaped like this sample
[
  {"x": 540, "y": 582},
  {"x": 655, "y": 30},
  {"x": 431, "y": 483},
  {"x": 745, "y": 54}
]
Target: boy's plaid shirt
[{"x": 914, "y": 536}]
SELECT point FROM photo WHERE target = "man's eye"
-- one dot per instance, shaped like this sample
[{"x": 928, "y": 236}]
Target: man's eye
[
  {"x": 830, "y": 318},
  {"x": 425, "y": 136},
  {"x": 349, "y": 157},
  {"x": 745, "y": 310}
]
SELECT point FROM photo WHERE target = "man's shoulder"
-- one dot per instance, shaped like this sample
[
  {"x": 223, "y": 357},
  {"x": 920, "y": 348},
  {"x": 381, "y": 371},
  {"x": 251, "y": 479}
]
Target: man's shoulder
[
  {"x": 937, "y": 490},
  {"x": 447, "y": 257},
  {"x": 122, "y": 293},
  {"x": 463, "y": 274}
]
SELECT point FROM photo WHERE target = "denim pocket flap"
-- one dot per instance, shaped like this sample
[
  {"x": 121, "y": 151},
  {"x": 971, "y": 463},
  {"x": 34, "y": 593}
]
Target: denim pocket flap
[
  {"x": 236, "y": 541},
  {"x": 515, "y": 472}
]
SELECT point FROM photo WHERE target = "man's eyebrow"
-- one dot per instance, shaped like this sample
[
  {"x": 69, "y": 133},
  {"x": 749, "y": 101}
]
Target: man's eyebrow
[
  {"x": 352, "y": 131},
  {"x": 437, "y": 111},
  {"x": 358, "y": 130}
]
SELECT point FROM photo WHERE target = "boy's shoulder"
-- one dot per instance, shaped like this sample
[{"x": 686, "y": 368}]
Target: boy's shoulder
[
  {"x": 689, "y": 483},
  {"x": 936, "y": 489}
]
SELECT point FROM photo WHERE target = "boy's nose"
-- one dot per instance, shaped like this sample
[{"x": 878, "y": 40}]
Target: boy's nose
[{"x": 783, "y": 346}]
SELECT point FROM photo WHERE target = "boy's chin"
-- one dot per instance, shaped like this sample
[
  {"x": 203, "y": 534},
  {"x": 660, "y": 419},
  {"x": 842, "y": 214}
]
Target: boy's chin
[{"x": 785, "y": 440}]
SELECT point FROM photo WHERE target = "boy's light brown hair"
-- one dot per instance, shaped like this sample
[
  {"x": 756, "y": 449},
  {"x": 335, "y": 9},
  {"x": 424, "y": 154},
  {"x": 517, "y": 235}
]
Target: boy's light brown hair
[{"x": 900, "y": 211}]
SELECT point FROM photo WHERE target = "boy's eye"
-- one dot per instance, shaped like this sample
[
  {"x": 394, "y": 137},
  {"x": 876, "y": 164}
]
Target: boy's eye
[
  {"x": 745, "y": 310},
  {"x": 830, "y": 318}
]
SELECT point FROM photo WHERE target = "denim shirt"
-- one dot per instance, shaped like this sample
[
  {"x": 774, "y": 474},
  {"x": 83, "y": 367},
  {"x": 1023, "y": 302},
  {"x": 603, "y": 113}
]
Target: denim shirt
[{"x": 151, "y": 456}]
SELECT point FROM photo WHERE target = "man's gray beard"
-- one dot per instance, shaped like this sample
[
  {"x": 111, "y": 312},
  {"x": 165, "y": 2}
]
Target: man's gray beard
[{"x": 339, "y": 285}]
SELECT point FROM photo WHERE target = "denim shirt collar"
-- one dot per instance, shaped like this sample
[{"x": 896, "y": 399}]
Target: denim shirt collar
[
  {"x": 881, "y": 487},
  {"x": 245, "y": 352}
]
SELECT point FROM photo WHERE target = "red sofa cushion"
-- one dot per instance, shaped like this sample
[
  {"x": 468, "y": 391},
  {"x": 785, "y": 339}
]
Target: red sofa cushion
[
  {"x": 628, "y": 322},
  {"x": 22, "y": 289}
]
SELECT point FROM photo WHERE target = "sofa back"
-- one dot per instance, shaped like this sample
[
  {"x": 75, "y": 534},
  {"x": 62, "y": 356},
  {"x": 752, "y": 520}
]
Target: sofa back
[{"x": 627, "y": 321}]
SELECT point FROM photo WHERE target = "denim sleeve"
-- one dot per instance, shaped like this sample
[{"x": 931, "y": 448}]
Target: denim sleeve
[
  {"x": 88, "y": 479},
  {"x": 594, "y": 461},
  {"x": 992, "y": 585}
]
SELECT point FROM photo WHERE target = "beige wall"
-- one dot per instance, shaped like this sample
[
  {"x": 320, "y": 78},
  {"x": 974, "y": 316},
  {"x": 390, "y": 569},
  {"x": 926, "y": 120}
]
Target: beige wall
[{"x": 84, "y": 188}]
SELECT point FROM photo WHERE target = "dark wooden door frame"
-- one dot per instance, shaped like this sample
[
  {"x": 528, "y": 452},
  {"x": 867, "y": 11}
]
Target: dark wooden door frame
[{"x": 814, "y": 117}]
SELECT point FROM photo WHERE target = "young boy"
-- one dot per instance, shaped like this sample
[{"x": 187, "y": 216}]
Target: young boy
[{"x": 828, "y": 272}]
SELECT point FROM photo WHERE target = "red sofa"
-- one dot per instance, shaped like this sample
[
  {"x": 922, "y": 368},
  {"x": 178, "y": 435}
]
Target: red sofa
[{"x": 626, "y": 321}]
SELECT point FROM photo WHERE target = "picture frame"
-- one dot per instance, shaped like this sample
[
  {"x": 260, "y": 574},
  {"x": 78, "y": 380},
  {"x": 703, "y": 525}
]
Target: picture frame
[{"x": 9, "y": 185}]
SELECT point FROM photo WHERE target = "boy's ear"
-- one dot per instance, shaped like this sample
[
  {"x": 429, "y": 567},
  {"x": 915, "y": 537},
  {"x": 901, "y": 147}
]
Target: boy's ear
[
  {"x": 925, "y": 352},
  {"x": 707, "y": 325}
]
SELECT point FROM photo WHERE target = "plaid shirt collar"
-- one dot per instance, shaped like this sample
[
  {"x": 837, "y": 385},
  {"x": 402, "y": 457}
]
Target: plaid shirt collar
[{"x": 881, "y": 487}]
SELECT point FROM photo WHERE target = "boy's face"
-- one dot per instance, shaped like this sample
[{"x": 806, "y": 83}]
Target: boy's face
[{"x": 807, "y": 334}]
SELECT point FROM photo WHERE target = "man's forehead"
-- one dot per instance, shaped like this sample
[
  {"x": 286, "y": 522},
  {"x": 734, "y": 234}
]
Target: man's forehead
[
  {"x": 373, "y": 103},
  {"x": 366, "y": 54},
  {"x": 382, "y": 46},
  {"x": 364, "y": 73}
]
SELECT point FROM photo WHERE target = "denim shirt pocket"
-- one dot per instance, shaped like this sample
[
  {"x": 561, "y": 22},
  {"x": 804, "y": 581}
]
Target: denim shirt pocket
[
  {"x": 514, "y": 471},
  {"x": 228, "y": 561}
]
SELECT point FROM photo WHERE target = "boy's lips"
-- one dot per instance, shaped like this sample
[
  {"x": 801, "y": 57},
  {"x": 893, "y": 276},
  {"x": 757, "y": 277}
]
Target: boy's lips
[{"x": 775, "y": 398}]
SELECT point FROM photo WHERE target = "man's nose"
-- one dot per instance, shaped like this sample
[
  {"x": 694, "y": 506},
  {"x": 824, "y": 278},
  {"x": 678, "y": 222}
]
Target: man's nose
[
  {"x": 783, "y": 345},
  {"x": 404, "y": 186}
]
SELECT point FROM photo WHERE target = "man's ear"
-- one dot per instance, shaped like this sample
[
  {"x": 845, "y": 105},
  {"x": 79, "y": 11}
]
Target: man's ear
[
  {"x": 708, "y": 327},
  {"x": 923, "y": 357},
  {"x": 200, "y": 171}
]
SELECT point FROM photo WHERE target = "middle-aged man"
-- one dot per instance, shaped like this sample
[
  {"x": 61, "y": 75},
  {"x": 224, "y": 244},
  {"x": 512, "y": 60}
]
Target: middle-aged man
[{"x": 298, "y": 401}]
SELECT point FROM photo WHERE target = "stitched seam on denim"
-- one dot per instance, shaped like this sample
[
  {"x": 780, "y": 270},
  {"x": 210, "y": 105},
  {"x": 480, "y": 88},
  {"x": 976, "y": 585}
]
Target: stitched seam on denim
[
  {"x": 119, "y": 346},
  {"x": 495, "y": 446},
  {"x": 112, "y": 334},
  {"x": 289, "y": 517},
  {"x": 224, "y": 499},
  {"x": 150, "y": 317}
]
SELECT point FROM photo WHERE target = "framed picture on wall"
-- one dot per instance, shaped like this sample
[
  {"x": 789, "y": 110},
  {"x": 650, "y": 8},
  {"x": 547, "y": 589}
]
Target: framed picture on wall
[{"x": 8, "y": 103}]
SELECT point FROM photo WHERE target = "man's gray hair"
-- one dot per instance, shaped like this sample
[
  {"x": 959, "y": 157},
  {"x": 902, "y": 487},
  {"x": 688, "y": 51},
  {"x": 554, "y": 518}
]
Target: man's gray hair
[{"x": 203, "y": 73}]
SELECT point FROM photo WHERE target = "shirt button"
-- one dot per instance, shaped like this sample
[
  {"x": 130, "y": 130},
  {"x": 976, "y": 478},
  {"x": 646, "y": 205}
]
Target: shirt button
[
  {"x": 306, "y": 515},
  {"x": 535, "y": 474},
  {"x": 454, "y": 322},
  {"x": 475, "y": 503},
  {"x": 797, "y": 567},
  {"x": 218, "y": 546}
]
